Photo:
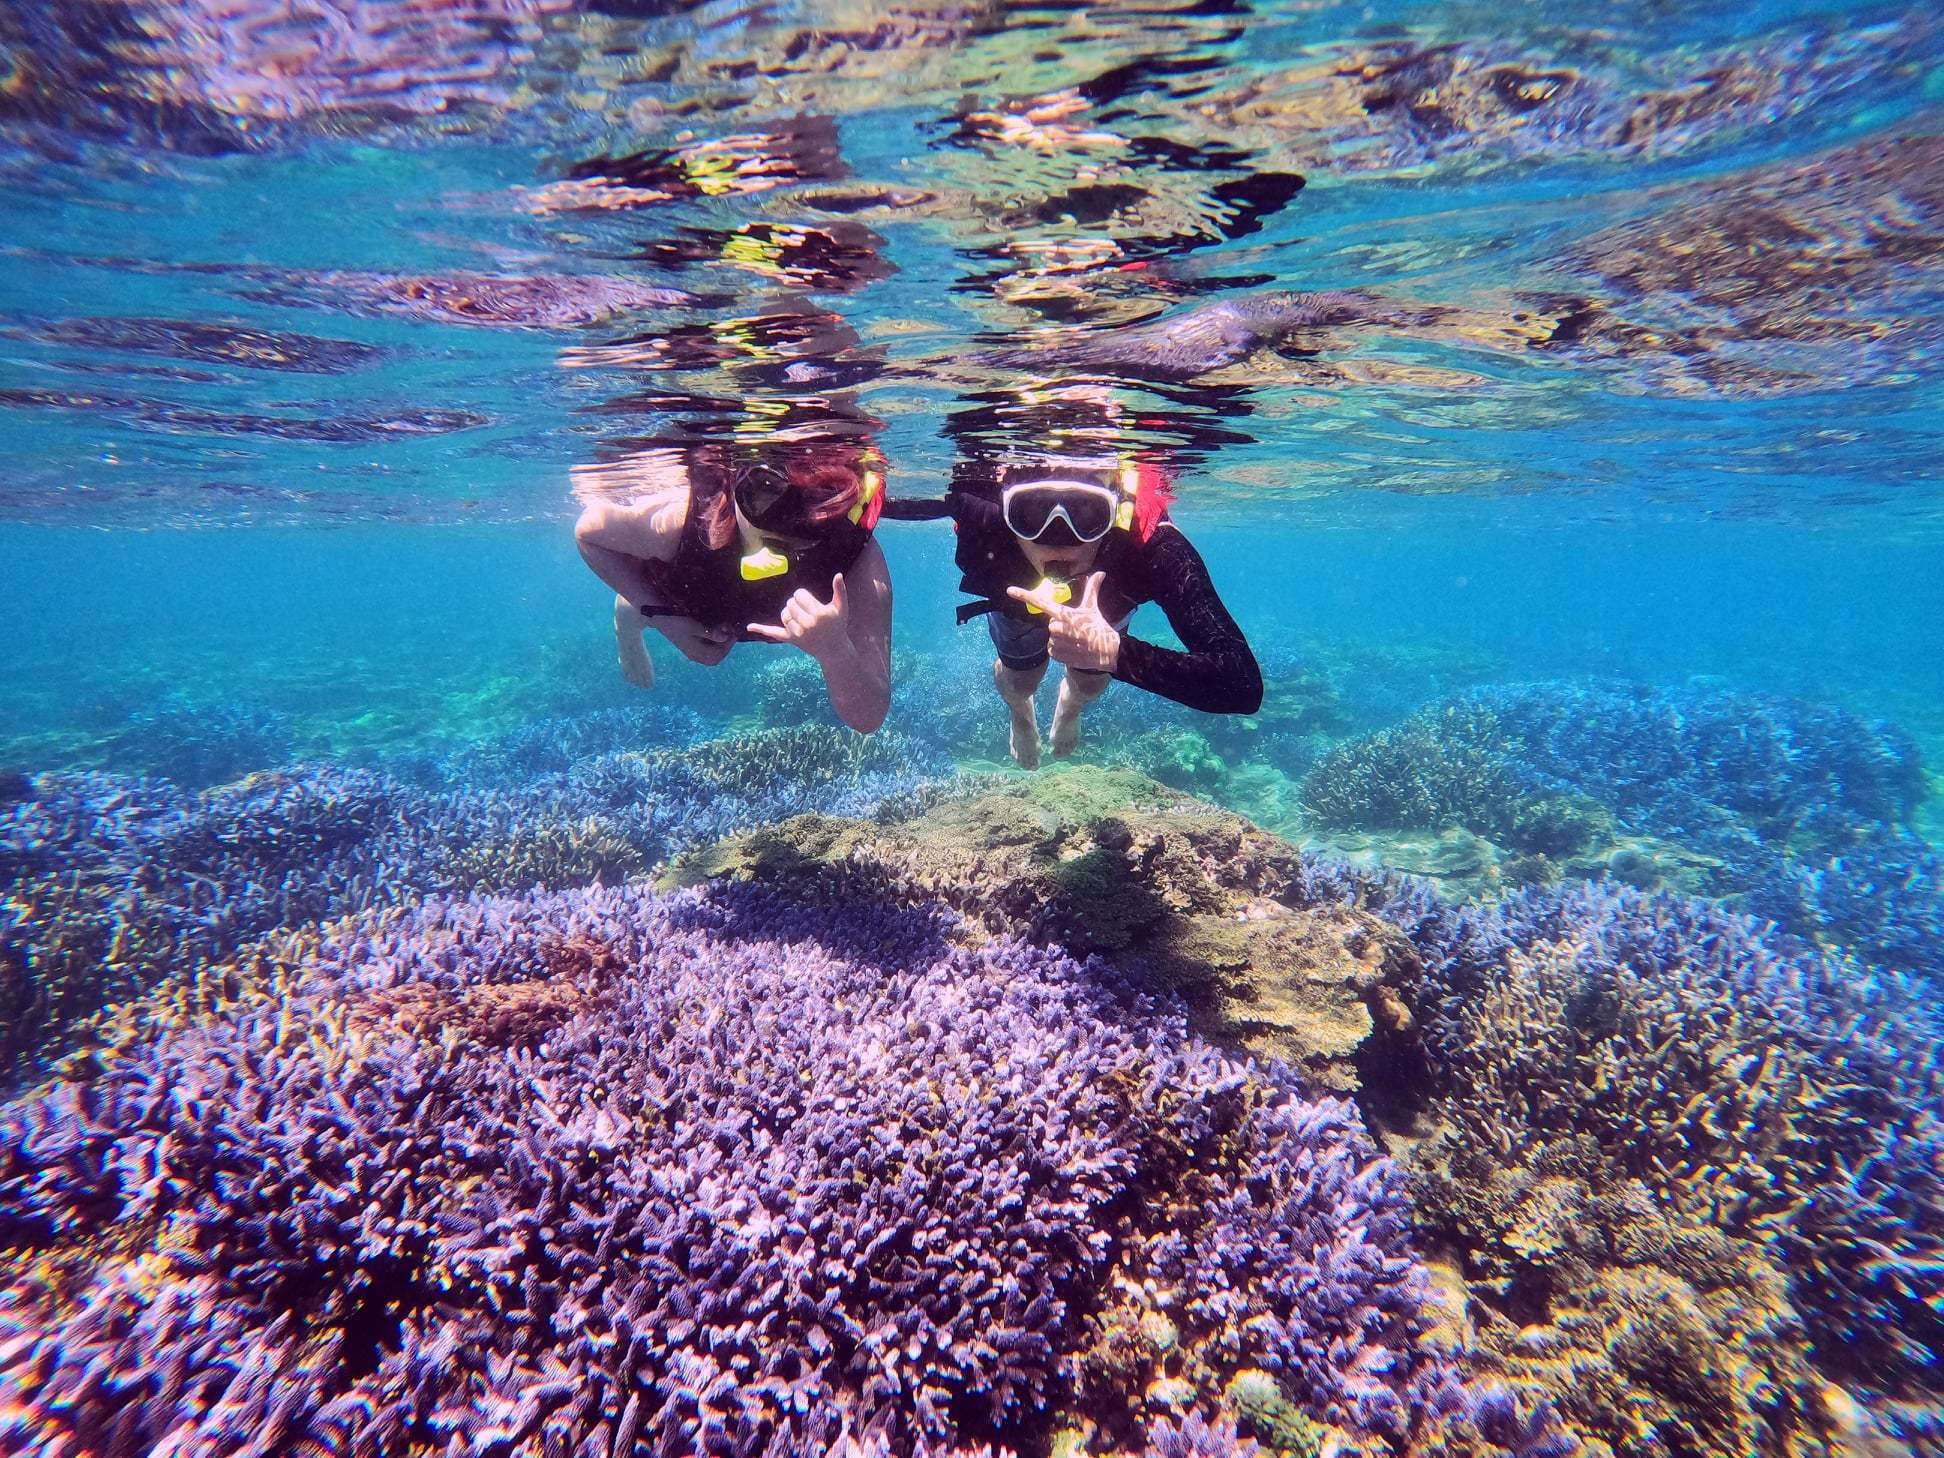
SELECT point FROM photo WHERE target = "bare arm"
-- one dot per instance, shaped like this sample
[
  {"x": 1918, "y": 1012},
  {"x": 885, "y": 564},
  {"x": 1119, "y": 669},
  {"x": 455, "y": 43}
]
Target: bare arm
[
  {"x": 849, "y": 636},
  {"x": 859, "y": 681}
]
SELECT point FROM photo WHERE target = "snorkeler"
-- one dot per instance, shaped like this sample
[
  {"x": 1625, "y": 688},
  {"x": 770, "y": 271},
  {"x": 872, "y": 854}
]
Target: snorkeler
[
  {"x": 717, "y": 544},
  {"x": 1059, "y": 551}
]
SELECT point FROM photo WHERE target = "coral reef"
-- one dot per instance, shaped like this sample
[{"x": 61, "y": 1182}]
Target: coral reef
[
  {"x": 1883, "y": 897},
  {"x": 1692, "y": 1177},
  {"x": 201, "y": 744},
  {"x": 1795, "y": 807},
  {"x": 674, "y": 798},
  {"x": 1685, "y": 1177},
  {"x": 555, "y": 744},
  {"x": 1188, "y": 898},
  {"x": 1448, "y": 766},
  {"x": 1682, "y": 1164},
  {"x": 114, "y": 883},
  {"x": 716, "y": 1174}
]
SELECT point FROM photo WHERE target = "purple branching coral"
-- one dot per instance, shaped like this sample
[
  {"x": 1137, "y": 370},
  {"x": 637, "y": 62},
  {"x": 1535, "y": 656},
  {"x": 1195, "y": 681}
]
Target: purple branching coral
[
  {"x": 113, "y": 883},
  {"x": 1799, "y": 809},
  {"x": 601, "y": 1172},
  {"x": 1788, "y": 1102}
]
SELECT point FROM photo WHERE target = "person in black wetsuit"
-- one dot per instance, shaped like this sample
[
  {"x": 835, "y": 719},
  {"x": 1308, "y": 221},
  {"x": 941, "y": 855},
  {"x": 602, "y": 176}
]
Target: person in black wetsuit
[
  {"x": 718, "y": 544},
  {"x": 1058, "y": 553}
]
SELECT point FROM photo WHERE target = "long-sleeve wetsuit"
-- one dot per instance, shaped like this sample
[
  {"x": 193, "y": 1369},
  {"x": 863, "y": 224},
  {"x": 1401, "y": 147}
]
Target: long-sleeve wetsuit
[
  {"x": 1217, "y": 673},
  {"x": 1214, "y": 670}
]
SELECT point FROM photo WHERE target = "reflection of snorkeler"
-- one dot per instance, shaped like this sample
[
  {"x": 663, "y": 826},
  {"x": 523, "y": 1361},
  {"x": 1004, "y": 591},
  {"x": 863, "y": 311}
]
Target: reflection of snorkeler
[
  {"x": 1060, "y": 550},
  {"x": 718, "y": 544}
]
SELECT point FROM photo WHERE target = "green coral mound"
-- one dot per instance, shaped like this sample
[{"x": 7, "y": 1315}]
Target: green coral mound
[
  {"x": 1445, "y": 768},
  {"x": 1263, "y": 1412}
]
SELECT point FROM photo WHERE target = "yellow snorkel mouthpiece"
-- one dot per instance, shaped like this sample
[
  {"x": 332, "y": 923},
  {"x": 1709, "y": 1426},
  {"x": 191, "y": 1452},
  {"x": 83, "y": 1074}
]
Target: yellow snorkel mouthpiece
[
  {"x": 764, "y": 563},
  {"x": 1050, "y": 587}
]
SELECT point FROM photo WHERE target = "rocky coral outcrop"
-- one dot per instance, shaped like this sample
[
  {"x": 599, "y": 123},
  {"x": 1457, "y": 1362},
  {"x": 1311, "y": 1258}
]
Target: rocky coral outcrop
[{"x": 1193, "y": 900}]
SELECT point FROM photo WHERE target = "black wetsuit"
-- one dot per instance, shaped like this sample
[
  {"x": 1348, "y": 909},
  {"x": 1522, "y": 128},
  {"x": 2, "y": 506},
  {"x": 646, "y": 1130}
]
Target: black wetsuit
[{"x": 1217, "y": 673}]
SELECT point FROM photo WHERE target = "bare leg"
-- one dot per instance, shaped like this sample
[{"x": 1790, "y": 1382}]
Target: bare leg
[
  {"x": 1077, "y": 690},
  {"x": 1016, "y": 686},
  {"x": 636, "y": 667}
]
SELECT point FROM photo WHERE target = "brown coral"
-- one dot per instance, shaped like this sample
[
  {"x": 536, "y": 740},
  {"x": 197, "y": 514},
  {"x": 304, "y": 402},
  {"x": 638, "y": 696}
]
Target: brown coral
[{"x": 1181, "y": 895}]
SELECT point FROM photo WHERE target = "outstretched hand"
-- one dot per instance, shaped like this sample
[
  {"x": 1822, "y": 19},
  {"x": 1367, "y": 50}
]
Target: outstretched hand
[
  {"x": 819, "y": 629},
  {"x": 1077, "y": 634}
]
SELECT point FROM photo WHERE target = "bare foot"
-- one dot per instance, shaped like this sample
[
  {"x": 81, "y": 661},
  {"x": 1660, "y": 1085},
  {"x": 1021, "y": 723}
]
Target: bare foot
[
  {"x": 636, "y": 667},
  {"x": 1066, "y": 729},
  {"x": 1025, "y": 736}
]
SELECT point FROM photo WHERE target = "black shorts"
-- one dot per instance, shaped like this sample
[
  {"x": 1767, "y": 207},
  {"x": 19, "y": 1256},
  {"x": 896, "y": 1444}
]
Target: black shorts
[{"x": 1022, "y": 641}]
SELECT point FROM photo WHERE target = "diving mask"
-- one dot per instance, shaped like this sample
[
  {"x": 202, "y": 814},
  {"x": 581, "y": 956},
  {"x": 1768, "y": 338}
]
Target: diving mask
[{"x": 1088, "y": 509}]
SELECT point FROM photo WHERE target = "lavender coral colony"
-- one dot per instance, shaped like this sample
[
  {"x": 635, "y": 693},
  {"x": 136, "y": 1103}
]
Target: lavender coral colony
[
  {"x": 115, "y": 881},
  {"x": 376, "y": 1157},
  {"x": 1801, "y": 812},
  {"x": 596, "y": 1171},
  {"x": 1698, "y": 1176}
]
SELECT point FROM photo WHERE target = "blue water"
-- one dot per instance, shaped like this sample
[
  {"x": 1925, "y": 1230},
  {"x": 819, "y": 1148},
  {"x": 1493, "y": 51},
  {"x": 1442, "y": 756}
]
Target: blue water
[{"x": 1624, "y": 430}]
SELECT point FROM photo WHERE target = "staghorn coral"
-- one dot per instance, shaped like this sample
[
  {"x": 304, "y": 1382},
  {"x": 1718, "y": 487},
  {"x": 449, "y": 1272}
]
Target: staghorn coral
[
  {"x": 1445, "y": 766},
  {"x": 1683, "y": 1163},
  {"x": 552, "y": 855},
  {"x": 1883, "y": 897},
  {"x": 574, "y": 1172},
  {"x": 1796, "y": 807},
  {"x": 555, "y": 744},
  {"x": 1690, "y": 1174},
  {"x": 113, "y": 884}
]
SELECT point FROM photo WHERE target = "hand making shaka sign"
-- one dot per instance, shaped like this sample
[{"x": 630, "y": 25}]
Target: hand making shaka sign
[{"x": 1078, "y": 634}]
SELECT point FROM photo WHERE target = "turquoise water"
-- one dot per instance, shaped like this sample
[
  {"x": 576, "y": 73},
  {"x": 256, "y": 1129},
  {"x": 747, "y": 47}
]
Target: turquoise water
[
  {"x": 1763, "y": 404},
  {"x": 1588, "y": 526}
]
